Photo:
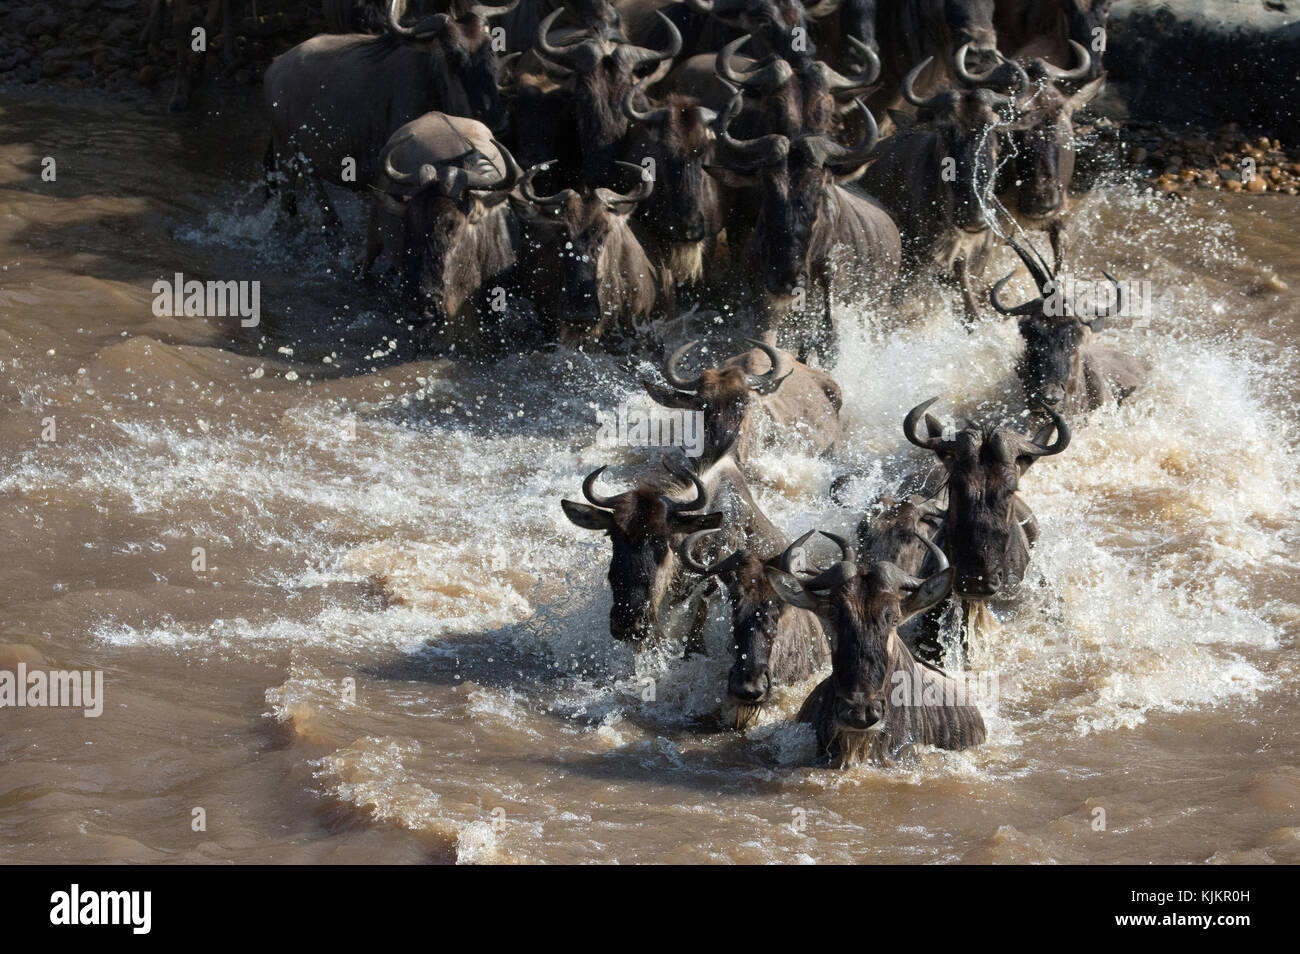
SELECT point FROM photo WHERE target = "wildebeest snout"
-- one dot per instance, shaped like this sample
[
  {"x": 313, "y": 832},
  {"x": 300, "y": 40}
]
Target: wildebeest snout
[
  {"x": 859, "y": 713},
  {"x": 751, "y": 686}
]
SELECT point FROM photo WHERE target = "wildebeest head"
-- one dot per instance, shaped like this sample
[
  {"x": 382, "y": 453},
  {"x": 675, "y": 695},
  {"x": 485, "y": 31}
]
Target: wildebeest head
[
  {"x": 465, "y": 61},
  {"x": 585, "y": 238},
  {"x": 1043, "y": 145},
  {"x": 678, "y": 136},
  {"x": 984, "y": 540},
  {"x": 970, "y": 29},
  {"x": 755, "y": 621},
  {"x": 1055, "y": 336},
  {"x": 862, "y": 606},
  {"x": 1086, "y": 24},
  {"x": 643, "y": 525},
  {"x": 794, "y": 176},
  {"x": 963, "y": 122},
  {"x": 723, "y": 395},
  {"x": 440, "y": 204},
  {"x": 600, "y": 69},
  {"x": 781, "y": 26}
]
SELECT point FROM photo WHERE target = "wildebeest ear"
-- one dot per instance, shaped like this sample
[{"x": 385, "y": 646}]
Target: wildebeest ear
[
  {"x": 730, "y": 177},
  {"x": 789, "y": 589},
  {"x": 928, "y": 593},
  {"x": 690, "y": 522},
  {"x": 589, "y": 518},
  {"x": 901, "y": 119},
  {"x": 670, "y": 397},
  {"x": 389, "y": 203},
  {"x": 1086, "y": 94}
]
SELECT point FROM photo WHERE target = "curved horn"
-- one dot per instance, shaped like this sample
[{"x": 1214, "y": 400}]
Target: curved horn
[
  {"x": 1042, "y": 275},
  {"x": 670, "y": 369},
  {"x": 823, "y": 8},
  {"x": 395, "y": 10},
  {"x": 768, "y": 381},
  {"x": 644, "y": 188},
  {"x": 485, "y": 10},
  {"x": 838, "y": 573},
  {"x": 872, "y": 73},
  {"x": 1034, "y": 449},
  {"x": 787, "y": 555},
  {"x": 402, "y": 178},
  {"x": 526, "y": 187},
  {"x": 939, "y": 555},
  {"x": 909, "y": 427},
  {"x": 639, "y": 54},
  {"x": 965, "y": 75},
  {"x": 909, "y": 90},
  {"x": 1117, "y": 308},
  {"x": 589, "y": 490},
  {"x": 722, "y": 566},
  {"x": 761, "y": 151},
  {"x": 543, "y": 44},
  {"x": 995, "y": 300},
  {"x": 655, "y": 116},
  {"x": 685, "y": 473},
  {"x": 700, "y": 6},
  {"x": 831, "y": 153},
  {"x": 1080, "y": 72},
  {"x": 765, "y": 74}
]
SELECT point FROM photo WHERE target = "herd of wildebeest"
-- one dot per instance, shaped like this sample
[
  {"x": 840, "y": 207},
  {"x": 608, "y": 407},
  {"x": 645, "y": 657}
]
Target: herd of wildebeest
[{"x": 603, "y": 168}]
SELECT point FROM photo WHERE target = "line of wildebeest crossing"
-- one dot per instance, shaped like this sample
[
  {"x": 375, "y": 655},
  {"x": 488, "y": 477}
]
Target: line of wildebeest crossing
[{"x": 599, "y": 172}]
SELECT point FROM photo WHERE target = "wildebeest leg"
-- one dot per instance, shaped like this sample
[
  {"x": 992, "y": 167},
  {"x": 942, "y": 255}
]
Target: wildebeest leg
[
  {"x": 151, "y": 35},
  {"x": 184, "y": 83},
  {"x": 332, "y": 220},
  {"x": 372, "y": 247},
  {"x": 695, "y": 637},
  {"x": 1059, "y": 237},
  {"x": 1021, "y": 513},
  {"x": 964, "y": 281},
  {"x": 827, "y": 346}
]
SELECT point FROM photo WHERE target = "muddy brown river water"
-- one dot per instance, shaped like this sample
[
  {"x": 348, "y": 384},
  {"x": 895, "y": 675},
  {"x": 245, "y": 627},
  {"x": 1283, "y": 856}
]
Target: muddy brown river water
[{"x": 398, "y": 650}]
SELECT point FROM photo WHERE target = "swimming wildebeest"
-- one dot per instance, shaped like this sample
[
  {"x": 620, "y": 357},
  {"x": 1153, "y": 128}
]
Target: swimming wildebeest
[
  {"x": 1062, "y": 365},
  {"x": 335, "y": 99},
  {"x": 774, "y": 644},
  {"x": 878, "y": 699},
  {"x": 1029, "y": 29},
  {"x": 645, "y": 526},
  {"x": 810, "y": 230},
  {"x": 935, "y": 175},
  {"x": 988, "y": 528},
  {"x": 683, "y": 215},
  {"x": 787, "y": 403},
  {"x": 586, "y": 269},
  {"x": 1035, "y": 183},
  {"x": 442, "y": 217}
]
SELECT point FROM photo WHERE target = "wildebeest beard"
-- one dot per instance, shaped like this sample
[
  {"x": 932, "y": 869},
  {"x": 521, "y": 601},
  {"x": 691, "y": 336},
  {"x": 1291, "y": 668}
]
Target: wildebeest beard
[{"x": 599, "y": 117}]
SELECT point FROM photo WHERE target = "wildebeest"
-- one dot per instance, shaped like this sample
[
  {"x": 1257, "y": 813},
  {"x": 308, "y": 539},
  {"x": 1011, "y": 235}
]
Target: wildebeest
[
  {"x": 878, "y": 699},
  {"x": 684, "y": 214},
  {"x": 335, "y": 99},
  {"x": 1042, "y": 147},
  {"x": 595, "y": 72},
  {"x": 441, "y": 215},
  {"x": 1030, "y": 29},
  {"x": 747, "y": 408},
  {"x": 935, "y": 176},
  {"x": 808, "y": 229},
  {"x": 774, "y": 644},
  {"x": 645, "y": 526},
  {"x": 220, "y": 12},
  {"x": 946, "y": 36},
  {"x": 1062, "y": 365},
  {"x": 586, "y": 269},
  {"x": 988, "y": 528}
]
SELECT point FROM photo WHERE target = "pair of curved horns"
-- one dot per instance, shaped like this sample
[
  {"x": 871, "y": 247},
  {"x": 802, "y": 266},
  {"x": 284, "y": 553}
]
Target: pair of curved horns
[
  {"x": 680, "y": 471},
  {"x": 1024, "y": 447},
  {"x": 764, "y": 383}
]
